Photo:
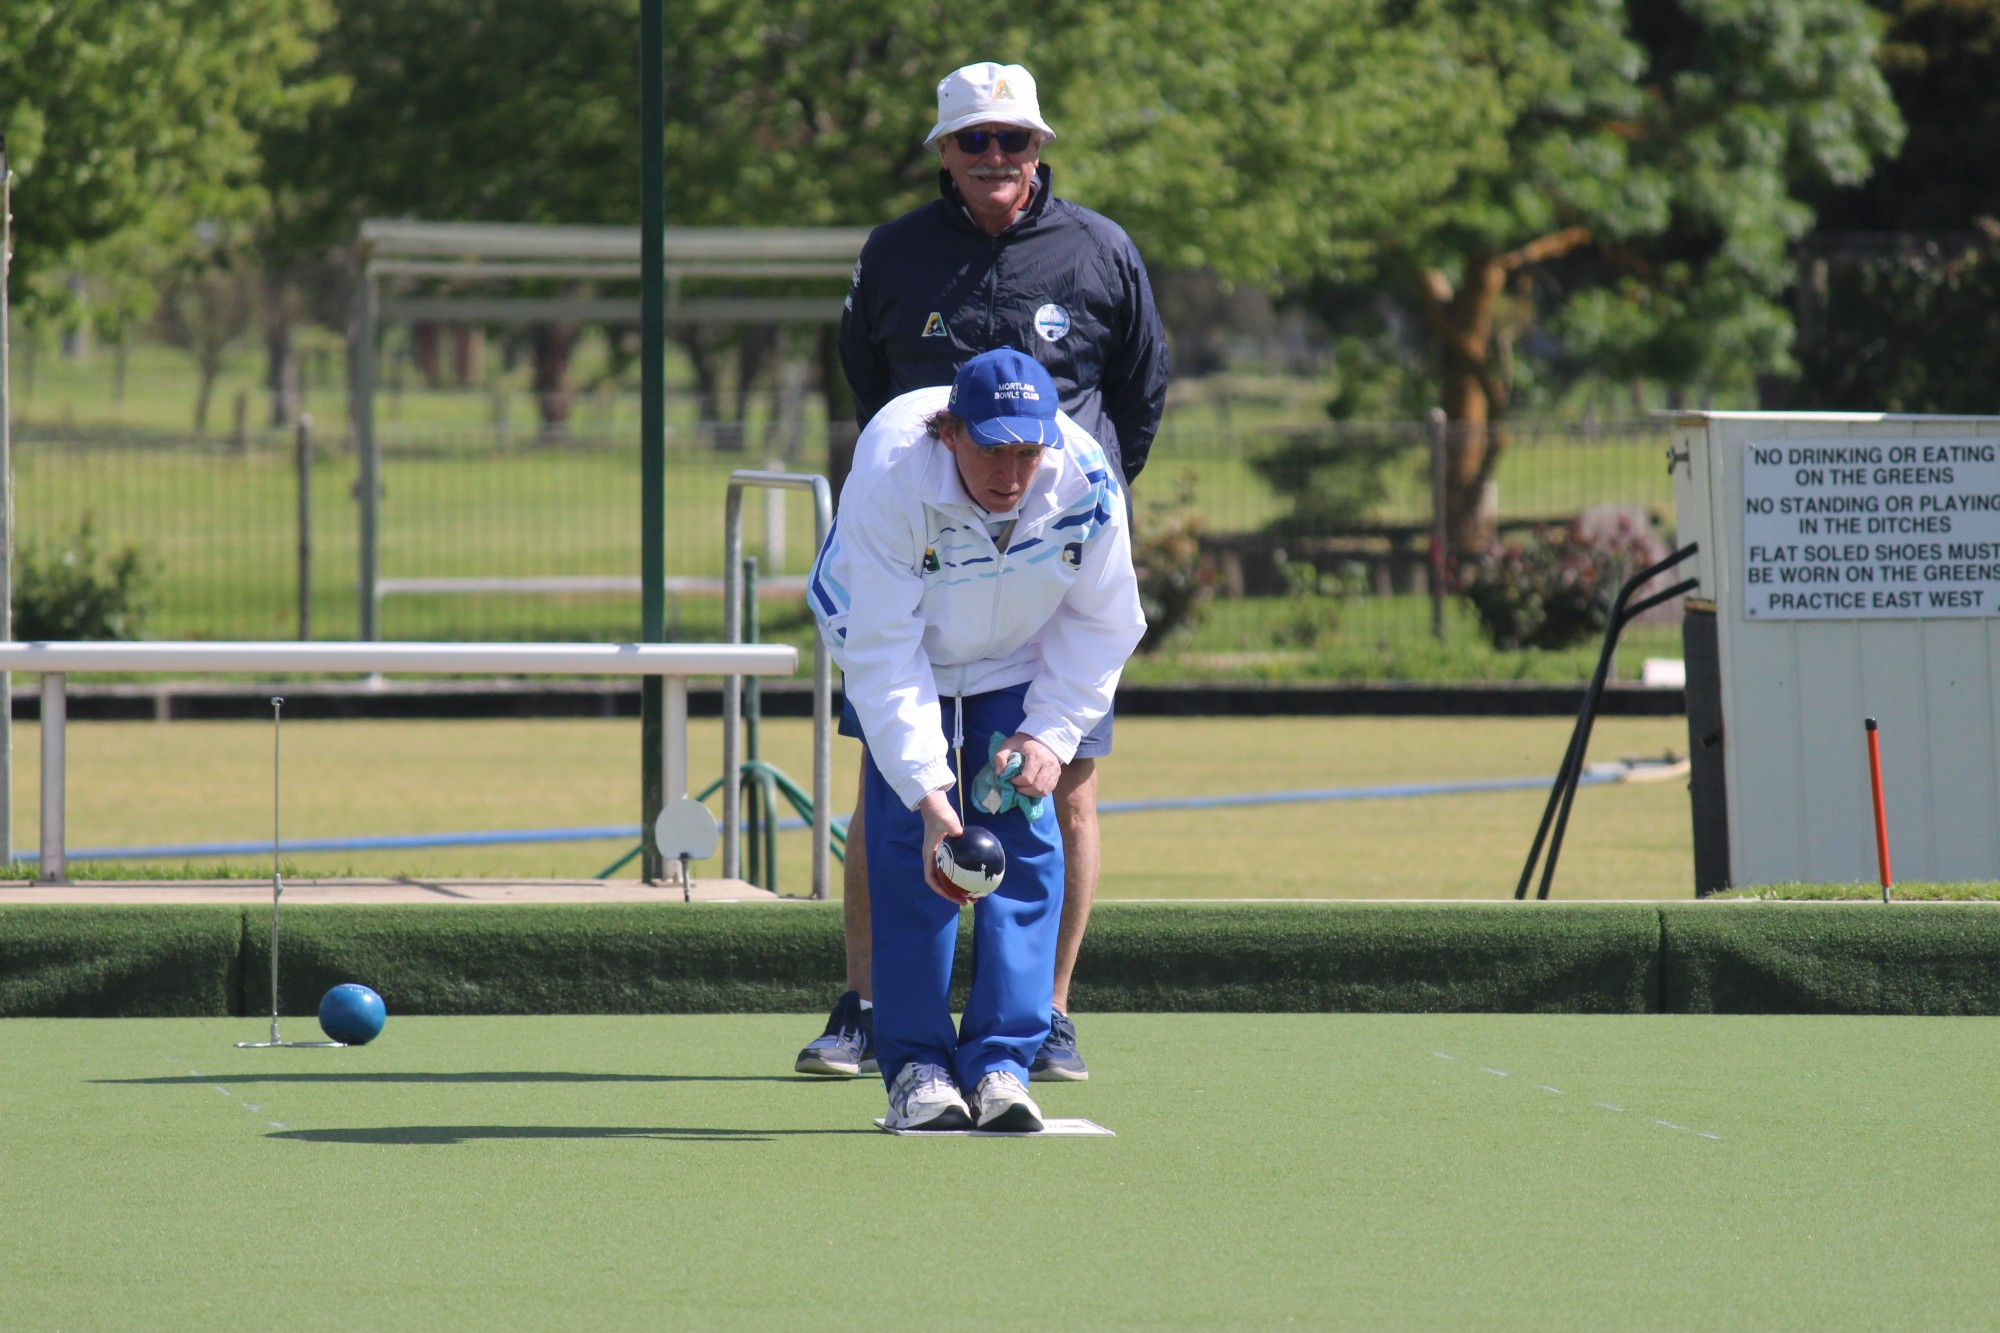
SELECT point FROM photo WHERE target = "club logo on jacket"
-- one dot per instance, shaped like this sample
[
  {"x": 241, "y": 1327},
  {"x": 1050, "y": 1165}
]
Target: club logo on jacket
[
  {"x": 1073, "y": 554},
  {"x": 1052, "y": 322},
  {"x": 930, "y": 560},
  {"x": 934, "y": 326}
]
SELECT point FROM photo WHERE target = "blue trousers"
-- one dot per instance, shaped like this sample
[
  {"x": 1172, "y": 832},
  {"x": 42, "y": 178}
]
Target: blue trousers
[{"x": 915, "y": 932}]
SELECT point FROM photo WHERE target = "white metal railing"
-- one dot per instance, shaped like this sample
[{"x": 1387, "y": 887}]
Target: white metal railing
[
  {"x": 732, "y": 686},
  {"x": 673, "y": 661}
]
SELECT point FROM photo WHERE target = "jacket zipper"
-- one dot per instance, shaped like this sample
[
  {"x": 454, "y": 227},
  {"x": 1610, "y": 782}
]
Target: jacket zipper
[
  {"x": 993, "y": 297},
  {"x": 999, "y": 545}
]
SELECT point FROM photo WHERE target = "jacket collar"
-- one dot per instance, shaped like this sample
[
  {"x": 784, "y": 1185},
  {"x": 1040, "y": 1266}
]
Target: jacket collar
[{"x": 1038, "y": 204}]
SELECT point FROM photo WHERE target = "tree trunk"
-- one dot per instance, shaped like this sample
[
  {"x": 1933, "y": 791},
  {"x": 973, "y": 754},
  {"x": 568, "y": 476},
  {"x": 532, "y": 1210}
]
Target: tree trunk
[
  {"x": 281, "y": 371},
  {"x": 551, "y": 342},
  {"x": 1462, "y": 319},
  {"x": 424, "y": 350},
  {"x": 205, "y": 376},
  {"x": 468, "y": 355},
  {"x": 1472, "y": 379},
  {"x": 707, "y": 377},
  {"x": 753, "y": 354}
]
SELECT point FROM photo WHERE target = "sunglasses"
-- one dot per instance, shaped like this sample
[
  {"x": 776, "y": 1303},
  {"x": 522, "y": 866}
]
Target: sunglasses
[{"x": 1010, "y": 141}]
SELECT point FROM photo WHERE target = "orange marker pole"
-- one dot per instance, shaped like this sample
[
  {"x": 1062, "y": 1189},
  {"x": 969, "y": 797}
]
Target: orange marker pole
[{"x": 1881, "y": 819}]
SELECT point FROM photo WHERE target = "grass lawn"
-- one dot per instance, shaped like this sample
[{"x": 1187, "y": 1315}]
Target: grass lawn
[
  {"x": 1389, "y": 1171},
  {"x": 144, "y": 783}
]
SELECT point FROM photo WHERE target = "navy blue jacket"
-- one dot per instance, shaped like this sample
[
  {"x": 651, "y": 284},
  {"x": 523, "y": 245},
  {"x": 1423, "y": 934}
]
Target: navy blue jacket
[{"x": 1063, "y": 284}]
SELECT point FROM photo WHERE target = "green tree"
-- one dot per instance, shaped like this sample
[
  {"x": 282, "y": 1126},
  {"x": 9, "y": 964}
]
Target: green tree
[
  {"x": 1941, "y": 59},
  {"x": 129, "y": 120},
  {"x": 476, "y": 110},
  {"x": 1658, "y": 150},
  {"x": 1209, "y": 129},
  {"x": 486, "y": 110},
  {"x": 1905, "y": 317},
  {"x": 204, "y": 309},
  {"x": 1267, "y": 141},
  {"x": 1913, "y": 326}
]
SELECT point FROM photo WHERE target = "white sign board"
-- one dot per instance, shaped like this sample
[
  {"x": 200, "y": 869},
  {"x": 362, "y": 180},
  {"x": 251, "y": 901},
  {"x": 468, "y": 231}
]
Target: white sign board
[
  {"x": 1918, "y": 494},
  {"x": 1853, "y": 528}
]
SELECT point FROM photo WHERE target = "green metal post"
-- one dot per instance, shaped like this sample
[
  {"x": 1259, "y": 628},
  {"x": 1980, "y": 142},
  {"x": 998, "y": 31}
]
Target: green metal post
[
  {"x": 6, "y": 522},
  {"x": 652, "y": 414}
]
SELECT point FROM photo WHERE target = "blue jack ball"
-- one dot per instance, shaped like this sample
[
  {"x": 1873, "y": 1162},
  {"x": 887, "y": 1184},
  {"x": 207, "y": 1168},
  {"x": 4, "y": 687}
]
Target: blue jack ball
[{"x": 353, "y": 1014}]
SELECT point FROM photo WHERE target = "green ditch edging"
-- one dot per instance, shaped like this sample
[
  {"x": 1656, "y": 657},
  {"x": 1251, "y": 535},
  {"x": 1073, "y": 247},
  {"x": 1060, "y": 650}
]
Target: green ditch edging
[
  {"x": 613, "y": 958},
  {"x": 120, "y": 962},
  {"x": 1370, "y": 958},
  {"x": 1830, "y": 958},
  {"x": 1595, "y": 958}
]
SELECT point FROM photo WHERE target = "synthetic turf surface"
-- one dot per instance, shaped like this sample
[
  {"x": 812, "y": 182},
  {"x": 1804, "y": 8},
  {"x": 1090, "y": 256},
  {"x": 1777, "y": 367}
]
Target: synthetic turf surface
[{"x": 1333, "y": 1170}]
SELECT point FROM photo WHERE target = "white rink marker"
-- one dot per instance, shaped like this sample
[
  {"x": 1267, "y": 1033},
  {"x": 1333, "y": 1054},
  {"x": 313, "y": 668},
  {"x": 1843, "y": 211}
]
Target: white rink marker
[
  {"x": 1053, "y": 1128},
  {"x": 251, "y": 1107},
  {"x": 1607, "y": 1106}
]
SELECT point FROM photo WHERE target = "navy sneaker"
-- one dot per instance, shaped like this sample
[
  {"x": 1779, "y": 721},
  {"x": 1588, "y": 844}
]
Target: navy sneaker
[
  {"x": 1057, "y": 1061},
  {"x": 847, "y": 1048}
]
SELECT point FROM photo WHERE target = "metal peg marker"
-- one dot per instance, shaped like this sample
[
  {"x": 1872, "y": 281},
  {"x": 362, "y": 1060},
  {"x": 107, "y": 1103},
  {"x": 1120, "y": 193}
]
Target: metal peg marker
[{"x": 277, "y": 890}]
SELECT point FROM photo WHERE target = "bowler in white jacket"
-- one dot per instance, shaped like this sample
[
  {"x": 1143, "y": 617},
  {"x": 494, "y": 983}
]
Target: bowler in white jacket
[{"x": 978, "y": 582}]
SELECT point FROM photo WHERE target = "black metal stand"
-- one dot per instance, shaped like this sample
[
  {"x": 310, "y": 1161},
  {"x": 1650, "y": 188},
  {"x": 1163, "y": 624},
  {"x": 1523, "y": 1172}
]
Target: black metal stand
[{"x": 1564, "y": 791}]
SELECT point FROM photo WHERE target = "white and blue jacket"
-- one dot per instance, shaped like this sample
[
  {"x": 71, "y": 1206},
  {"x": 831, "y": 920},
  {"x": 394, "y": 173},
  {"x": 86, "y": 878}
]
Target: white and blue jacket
[{"x": 918, "y": 603}]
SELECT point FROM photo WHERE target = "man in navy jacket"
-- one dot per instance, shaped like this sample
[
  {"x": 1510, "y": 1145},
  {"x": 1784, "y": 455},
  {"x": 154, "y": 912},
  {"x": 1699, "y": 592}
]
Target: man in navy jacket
[{"x": 998, "y": 260}]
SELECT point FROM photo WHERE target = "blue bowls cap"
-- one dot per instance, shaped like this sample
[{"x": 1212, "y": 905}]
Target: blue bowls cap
[{"x": 1007, "y": 397}]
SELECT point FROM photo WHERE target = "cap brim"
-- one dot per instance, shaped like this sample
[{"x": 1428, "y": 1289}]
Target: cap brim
[
  {"x": 996, "y": 431},
  {"x": 944, "y": 127}
]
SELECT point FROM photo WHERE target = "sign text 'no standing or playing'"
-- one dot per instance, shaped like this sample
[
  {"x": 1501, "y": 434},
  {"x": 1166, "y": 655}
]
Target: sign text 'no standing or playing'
[{"x": 1858, "y": 528}]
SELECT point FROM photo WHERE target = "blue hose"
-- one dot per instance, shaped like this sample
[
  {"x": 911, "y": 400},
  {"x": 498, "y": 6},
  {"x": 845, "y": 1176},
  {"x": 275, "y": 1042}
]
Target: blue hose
[{"x": 627, "y": 832}]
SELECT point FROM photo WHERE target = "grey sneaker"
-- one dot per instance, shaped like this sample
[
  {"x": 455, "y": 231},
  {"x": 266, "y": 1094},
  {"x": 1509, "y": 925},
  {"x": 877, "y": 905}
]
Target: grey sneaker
[
  {"x": 1004, "y": 1105},
  {"x": 847, "y": 1048},
  {"x": 1057, "y": 1061},
  {"x": 924, "y": 1097}
]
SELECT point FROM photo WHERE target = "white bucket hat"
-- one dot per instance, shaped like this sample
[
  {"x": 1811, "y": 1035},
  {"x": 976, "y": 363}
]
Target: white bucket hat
[{"x": 987, "y": 93}]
